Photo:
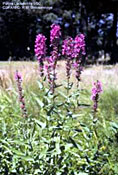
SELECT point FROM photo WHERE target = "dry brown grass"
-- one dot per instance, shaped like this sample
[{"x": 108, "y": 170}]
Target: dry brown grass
[{"x": 108, "y": 75}]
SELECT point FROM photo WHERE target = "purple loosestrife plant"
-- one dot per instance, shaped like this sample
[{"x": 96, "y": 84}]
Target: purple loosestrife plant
[
  {"x": 96, "y": 90},
  {"x": 40, "y": 52},
  {"x": 78, "y": 52},
  {"x": 67, "y": 51},
  {"x": 18, "y": 78},
  {"x": 55, "y": 34}
]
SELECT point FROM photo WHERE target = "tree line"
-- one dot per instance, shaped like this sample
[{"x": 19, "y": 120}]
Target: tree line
[{"x": 96, "y": 19}]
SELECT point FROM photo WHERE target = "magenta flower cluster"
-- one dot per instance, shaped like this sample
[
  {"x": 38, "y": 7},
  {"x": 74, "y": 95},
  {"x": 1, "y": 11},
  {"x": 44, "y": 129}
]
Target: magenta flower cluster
[
  {"x": 74, "y": 48},
  {"x": 40, "y": 46},
  {"x": 96, "y": 90},
  {"x": 40, "y": 51},
  {"x": 79, "y": 45},
  {"x": 67, "y": 47},
  {"x": 79, "y": 52},
  {"x": 18, "y": 78},
  {"x": 55, "y": 33}
]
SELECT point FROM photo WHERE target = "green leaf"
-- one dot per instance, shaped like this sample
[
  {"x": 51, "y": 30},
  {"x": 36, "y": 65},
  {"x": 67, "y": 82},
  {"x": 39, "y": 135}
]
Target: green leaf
[
  {"x": 6, "y": 148},
  {"x": 37, "y": 171},
  {"x": 84, "y": 105},
  {"x": 4, "y": 129},
  {"x": 58, "y": 151},
  {"x": 114, "y": 125},
  {"x": 39, "y": 102},
  {"x": 40, "y": 85},
  {"x": 73, "y": 142},
  {"x": 17, "y": 152},
  {"x": 28, "y": 158},
  {"x": 76, "y": 115},
  {"x": 62, "y": 94},
  {"x": 41, "y": 124}
]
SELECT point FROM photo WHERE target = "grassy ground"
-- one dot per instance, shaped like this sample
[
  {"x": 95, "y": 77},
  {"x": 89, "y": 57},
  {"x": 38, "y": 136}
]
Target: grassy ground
[{"x": 108, "y": 75}]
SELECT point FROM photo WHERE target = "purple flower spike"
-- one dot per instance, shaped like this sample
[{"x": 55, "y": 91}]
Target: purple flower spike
[
  {"x": 78, "y": 52},
  {"x": 18, "y": 78},
  {"x": 55, "y": 34},
  {"x": 96, "y": 90},
  {"x": 67, "y": 47},
  {"x": 40, "y": 51},
  {"x": 79, "y": 46}
]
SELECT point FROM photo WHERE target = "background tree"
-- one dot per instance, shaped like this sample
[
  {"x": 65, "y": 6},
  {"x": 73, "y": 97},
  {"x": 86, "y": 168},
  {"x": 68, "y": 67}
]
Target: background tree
[{"x": 96, "y": 19}]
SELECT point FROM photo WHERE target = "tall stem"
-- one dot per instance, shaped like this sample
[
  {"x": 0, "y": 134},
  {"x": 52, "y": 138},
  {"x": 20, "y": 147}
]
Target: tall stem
[
  {"x": 55, "y": 58},
  {"x": 68, "y": 67}
]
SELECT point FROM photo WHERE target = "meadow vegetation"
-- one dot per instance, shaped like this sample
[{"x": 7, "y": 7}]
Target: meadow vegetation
[{"x": 61, "y": 138}]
